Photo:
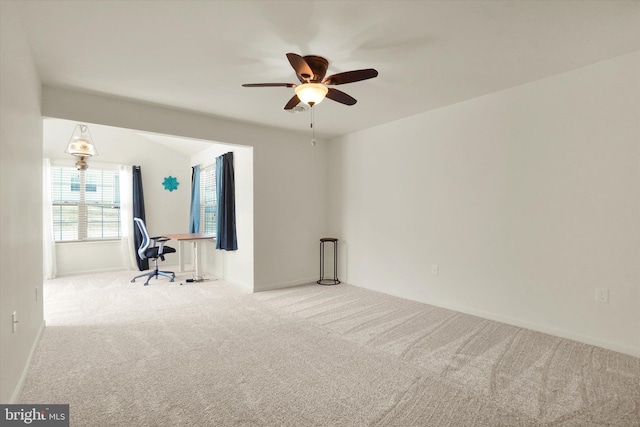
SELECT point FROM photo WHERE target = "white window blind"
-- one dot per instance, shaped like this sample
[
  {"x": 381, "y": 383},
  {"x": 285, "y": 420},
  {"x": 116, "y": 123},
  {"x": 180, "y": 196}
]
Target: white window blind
[
  {"x": 86, "y": 204},
  {"x": 208, "y": 200}
]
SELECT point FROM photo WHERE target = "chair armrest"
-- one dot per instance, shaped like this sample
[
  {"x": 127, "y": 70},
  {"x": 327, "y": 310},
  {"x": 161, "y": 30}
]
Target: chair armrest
[{"x": 160, "y": 240}]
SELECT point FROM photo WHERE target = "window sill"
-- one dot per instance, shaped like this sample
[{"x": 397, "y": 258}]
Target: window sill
[{"x": 92, "y": 241}]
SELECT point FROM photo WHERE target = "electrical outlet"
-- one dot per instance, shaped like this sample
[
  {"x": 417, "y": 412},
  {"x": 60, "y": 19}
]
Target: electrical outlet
[
  {"x": 14, "y": 321},
  {"x": 602, "y": 295},
  {"x": 434, "y": 269}
]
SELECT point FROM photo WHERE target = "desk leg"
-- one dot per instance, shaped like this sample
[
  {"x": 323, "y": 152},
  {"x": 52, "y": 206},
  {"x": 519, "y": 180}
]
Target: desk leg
[
  {"x": 196, "y": 260},
  {"x": 180, "y": 257}
]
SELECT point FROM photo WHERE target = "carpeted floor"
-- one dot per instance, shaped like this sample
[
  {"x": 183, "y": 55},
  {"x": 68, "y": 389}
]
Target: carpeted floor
[{"x": 207, "y": 354}]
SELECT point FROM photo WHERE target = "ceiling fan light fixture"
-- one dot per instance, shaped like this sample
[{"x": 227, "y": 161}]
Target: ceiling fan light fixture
[{"x": 311, "y": 93}]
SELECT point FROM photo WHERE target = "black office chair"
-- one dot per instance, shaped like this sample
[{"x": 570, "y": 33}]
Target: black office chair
[{"x": 158, "y": 250}]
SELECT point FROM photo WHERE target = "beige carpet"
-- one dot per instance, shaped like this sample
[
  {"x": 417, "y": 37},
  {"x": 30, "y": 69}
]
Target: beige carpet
[{"x": 206, "y": 354}]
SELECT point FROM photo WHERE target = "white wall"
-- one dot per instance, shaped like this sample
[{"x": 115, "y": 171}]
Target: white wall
[
  {"x": 166, "y": 211},
  {"x": 234, "y": 266},
  {"x": 290, "y": 187},
  {"x": 21, "y": 213},
  {"x": 528, "y": 200},
  {"x": 289, "y": 176}
]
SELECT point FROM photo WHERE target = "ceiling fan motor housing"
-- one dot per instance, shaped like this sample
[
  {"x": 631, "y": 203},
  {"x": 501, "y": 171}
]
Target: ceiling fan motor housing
[{"x": 318, "y": 65}]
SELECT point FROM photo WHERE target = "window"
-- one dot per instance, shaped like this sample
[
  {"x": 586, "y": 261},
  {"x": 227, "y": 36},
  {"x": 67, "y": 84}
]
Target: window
[
  {"x": 208, "y": 200},
  {"x": 86, "y": 204}
]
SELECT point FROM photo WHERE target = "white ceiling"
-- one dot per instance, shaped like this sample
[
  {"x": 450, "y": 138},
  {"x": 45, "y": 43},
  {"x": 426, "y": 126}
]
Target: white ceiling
[
  {"x": 195, "y": 55},
  {"x": 188, "y": 146}
]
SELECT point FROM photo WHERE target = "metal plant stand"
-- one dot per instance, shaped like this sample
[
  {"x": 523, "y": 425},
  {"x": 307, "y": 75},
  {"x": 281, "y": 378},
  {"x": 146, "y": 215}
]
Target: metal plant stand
[{"x": 335, "y": 280}]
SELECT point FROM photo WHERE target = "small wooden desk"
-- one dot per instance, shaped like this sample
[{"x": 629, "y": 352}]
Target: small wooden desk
[{"x": 190, "y": 237}]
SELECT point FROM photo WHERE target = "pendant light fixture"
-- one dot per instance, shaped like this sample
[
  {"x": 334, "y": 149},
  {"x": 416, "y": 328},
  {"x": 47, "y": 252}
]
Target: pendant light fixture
[{"x": 81, "y": 146}]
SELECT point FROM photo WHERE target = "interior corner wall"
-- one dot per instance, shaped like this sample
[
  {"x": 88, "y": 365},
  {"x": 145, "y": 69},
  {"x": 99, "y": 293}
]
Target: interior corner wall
[
  {"x": 21, "y": 213},
  {"x": 289, "y": 177},
  {"x": 527, "y": 200}
]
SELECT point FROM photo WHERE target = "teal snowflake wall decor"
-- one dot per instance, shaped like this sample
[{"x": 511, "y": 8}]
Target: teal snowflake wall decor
[{"x": 170, "y": 183}]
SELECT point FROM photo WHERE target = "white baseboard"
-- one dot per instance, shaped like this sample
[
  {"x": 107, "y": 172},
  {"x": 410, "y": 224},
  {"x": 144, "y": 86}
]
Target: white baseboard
[
  {"x": 275, "y": 286},
  {"x": 562, "y": 333},
  {"x": 25, "y": 370},
  {"x": 89, "y": 271}
]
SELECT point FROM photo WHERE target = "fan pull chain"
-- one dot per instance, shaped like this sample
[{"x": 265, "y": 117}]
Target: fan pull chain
[{"x": 313, "y": 130}]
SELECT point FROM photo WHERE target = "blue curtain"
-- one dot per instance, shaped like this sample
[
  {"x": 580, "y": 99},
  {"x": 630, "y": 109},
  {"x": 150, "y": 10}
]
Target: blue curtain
[
  {"x": 138, "y": 211},
  {"x": 225, "y": 190},
  {"x": 194, "y": 216}
]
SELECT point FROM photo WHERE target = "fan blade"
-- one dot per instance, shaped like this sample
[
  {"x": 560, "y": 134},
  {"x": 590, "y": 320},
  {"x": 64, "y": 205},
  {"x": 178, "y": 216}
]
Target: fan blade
[
  {"x": 351, "y": 76},
  {"x": 292, "y": 102},
  {"x": 340, "y": 97},
  {"x": 301, "y": 67},
  {"x": 268, "y": 85}
]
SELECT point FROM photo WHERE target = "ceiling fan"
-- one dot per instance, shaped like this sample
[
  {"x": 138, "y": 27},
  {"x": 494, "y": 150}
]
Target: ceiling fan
[{"x": 313, "y": 89}]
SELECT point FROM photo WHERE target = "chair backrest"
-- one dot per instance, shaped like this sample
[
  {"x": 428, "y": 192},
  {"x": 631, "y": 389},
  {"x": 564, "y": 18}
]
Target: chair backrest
[{"x": 145, "y": 238}]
